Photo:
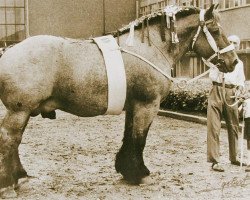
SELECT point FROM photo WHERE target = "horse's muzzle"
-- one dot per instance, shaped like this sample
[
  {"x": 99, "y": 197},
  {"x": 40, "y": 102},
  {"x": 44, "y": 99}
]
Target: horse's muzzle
[
  {"x": 222, "y": 66},
  {"x": 235, "y": 62}
]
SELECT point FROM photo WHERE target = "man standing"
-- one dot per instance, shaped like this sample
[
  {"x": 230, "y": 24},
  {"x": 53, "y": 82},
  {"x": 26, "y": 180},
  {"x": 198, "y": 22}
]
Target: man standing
[{"x": 218, "y": 107}]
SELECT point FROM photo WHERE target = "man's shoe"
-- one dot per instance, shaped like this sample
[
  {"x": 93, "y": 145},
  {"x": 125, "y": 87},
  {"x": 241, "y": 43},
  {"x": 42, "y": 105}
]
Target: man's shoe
[
  {"x": 217, "y": 167},
  {"x": 238, "y": 163},
  {"x": 247, "y": 168}
]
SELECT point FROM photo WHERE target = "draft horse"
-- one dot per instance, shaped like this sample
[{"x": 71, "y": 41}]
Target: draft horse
[{"x": 44, "y": 73}]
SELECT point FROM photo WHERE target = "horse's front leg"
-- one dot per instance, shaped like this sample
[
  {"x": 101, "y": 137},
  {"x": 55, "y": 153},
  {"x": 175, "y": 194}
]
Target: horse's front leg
[
  {"x": 11, "y": 168},
  {"x": 129, "y": 160},
  {"x": 18, "y": 170}
]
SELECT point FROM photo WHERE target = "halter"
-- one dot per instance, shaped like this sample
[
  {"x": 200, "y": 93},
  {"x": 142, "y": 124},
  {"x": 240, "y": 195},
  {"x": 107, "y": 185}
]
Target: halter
[{"x": 210, "y": 40}]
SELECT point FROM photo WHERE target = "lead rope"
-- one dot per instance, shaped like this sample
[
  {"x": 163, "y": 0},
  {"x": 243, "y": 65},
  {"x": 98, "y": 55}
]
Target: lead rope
[
  {"x": 242, "y": 136},
  {"x": 181, "y": 84},
  {"x": 150, "y": 63},
  {"x": 239, "y": 99}
]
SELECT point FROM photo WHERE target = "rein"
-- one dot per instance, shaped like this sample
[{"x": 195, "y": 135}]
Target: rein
[
  {"x": 147, "y": 61},
  {"x": 237, "y": 96},
  {"x": 181, "y": 84}
]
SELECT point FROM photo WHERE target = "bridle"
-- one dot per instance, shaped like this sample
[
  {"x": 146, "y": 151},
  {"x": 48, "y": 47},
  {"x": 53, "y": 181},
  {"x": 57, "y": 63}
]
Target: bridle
[
  {"x": 210, "y": 39},
  {"x": 216, "y": 50}
]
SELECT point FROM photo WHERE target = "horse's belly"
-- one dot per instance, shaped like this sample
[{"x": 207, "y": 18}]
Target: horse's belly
[
  {"x": 86, "y": 106},
  {"x": 85, "y": 95}
]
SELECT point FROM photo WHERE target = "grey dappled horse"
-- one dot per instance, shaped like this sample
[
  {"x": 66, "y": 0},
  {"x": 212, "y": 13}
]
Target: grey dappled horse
[{"x": 45, "y": 73}]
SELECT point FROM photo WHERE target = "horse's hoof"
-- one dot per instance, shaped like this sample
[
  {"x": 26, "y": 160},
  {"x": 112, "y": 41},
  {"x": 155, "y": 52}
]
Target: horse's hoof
[
  {"x": 21, "y": 181},
  {"x": 145, "y": 171},
  {"x": 134, "y": 181},
  {"x": 147, "y": 181},
  {"x": 8, "y": 193}
]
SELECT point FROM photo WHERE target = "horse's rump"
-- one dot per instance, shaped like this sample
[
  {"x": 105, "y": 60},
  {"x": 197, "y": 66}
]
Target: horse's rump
[{"x": 43, "y": 67}]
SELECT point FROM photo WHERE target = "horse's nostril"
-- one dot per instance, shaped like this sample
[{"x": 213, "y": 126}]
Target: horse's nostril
[{"x": 235, "y": 62}]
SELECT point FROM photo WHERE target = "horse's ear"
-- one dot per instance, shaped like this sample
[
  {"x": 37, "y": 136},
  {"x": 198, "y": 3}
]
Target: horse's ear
[
  {"x": 216, "y": 6},
  {"x": 209, "y": 12}
]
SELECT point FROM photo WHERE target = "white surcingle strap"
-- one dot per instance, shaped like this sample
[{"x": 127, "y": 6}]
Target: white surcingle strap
[
  {"x": 130, "y": 39},
  {"x": 117, "y": 83}
]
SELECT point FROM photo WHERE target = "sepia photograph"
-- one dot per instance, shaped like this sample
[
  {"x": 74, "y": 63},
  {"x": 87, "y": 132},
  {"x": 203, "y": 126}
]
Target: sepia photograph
[{"x": 132, "y": 99}]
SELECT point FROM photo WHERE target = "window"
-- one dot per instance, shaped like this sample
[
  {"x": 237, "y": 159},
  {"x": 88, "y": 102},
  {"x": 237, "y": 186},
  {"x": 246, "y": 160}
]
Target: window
[{"x": 12, "y": 21}]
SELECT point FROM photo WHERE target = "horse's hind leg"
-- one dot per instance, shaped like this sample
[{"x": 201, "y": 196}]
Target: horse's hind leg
[
  {"x": 11, "y": 132},
  {"x": 129, "y": 160}
]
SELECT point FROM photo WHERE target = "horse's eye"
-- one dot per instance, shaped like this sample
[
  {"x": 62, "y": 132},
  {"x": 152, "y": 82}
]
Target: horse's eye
[{"x": 215, "y": 31}]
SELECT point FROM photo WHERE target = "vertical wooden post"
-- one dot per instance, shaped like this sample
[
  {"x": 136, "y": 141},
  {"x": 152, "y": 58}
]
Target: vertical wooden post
[
  {"x": 142, "y": 31},
  {"x": 5, "y": 21},
  {"x": 191, "y": 67},
  {"x": 202, "y": 3},
  {"x": 147, "y": 21},
  {"x": 194, "y": 3},
  {"x": 104, "y": 17},
  {"x": 137, "y": 9},
  {"x": 223, "y": 4}
]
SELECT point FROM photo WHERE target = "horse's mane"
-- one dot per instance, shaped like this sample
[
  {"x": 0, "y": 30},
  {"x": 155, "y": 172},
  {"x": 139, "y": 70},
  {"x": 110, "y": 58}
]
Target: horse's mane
[{"x": 154, "y": 18}]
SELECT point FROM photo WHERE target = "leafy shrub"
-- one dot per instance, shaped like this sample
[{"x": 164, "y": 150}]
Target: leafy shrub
[{"x": 192, "y": 98}]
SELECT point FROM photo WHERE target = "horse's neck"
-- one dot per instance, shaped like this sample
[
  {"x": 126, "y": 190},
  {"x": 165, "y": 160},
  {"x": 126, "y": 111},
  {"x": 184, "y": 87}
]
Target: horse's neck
[
  {"x": 182, "y": 47},
  {"x": 154, "y": 50},
  {"x": 171, "y": 53}
]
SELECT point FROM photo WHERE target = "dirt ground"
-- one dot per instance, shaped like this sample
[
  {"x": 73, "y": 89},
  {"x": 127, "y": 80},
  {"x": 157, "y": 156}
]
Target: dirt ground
[{"x": 73, "y": 158}]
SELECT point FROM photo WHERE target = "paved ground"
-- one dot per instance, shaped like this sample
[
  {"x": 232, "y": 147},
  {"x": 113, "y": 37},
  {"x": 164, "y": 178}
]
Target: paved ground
[{"x": 73, "y": 158}]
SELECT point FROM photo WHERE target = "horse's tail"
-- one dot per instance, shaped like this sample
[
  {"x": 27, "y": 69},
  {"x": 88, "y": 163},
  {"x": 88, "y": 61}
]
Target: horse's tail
[{"x": 2, "y": 50}]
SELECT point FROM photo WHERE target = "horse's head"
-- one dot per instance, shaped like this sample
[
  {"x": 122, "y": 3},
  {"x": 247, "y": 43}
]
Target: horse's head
[{"x": 211, "y": 43}]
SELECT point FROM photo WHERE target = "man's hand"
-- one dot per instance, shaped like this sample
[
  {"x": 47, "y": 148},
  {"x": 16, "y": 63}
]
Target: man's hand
[{"x": 240, "y": 92}]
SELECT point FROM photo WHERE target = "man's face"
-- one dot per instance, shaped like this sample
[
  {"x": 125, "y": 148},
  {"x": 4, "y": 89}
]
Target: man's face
[{"x": 236, "y": 46}]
